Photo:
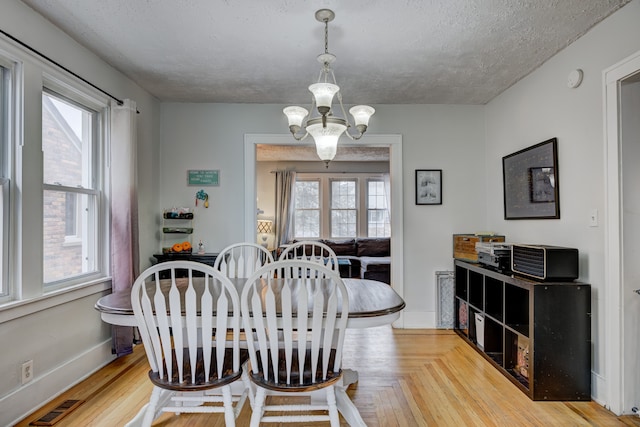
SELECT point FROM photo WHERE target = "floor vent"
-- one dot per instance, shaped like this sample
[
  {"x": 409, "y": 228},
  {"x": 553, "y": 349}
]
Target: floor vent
[{"x": 57, "y": 414}]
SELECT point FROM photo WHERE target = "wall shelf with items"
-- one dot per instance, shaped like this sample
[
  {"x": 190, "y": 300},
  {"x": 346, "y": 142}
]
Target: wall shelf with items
[
  {"x": 177, "y": 229},
  {"x": 538, "y": 334}
]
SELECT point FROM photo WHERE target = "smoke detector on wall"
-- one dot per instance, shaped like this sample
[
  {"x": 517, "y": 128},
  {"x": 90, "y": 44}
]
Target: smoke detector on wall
[{"x": 575, "y": 78}]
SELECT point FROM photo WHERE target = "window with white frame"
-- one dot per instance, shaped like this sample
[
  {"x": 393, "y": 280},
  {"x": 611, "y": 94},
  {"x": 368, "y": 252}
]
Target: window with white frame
[
  {"x": 71, "y": 145},
  {"x": 5, "y": 178},
  {"x": 378, "y": 224},
  {"x": 344, "y": 210},
  {"x": 307, "y": 209},
  {"x": 341, "y": 206}
]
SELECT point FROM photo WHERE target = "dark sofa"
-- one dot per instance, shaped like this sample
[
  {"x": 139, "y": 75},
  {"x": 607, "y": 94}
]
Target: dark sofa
[{"x": 370, "y": 257}]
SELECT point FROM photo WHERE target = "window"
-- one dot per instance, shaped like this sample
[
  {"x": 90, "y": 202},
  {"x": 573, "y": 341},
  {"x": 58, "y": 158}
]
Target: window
[
  {"x": 340, "y": 206},
  {"x": 307, "y": 209},
  {"x": 66, "y": 192},
  {"x": 378, "y": 224},
  {"x": 71, "y": 229},
  {"x": 5, "y": 201},
  {"x": 343, "y": 208},
  {"x": 71, "y": 216}
]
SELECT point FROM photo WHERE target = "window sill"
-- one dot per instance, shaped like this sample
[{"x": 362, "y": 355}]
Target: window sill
[{"x": 15, "y": 309}]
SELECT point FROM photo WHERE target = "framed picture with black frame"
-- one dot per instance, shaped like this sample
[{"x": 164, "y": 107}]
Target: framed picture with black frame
[
  {"x": 428, "y": 186},
  {"x": 530, "y": 182}
]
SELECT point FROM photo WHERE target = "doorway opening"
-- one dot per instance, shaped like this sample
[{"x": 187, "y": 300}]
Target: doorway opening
[
  {"x": 622, "y": 315},
  {"x": 394, "y": 144}
]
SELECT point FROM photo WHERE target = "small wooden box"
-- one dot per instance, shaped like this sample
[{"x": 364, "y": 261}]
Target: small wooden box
[{"x": 464, "y": 245}]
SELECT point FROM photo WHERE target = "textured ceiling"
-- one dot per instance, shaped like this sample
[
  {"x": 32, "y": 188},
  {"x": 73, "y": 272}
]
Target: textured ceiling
[{"x": 388, "y": 51}]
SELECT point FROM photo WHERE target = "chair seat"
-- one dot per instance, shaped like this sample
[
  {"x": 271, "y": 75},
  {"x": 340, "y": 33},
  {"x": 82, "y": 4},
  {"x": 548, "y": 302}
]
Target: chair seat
[
  {"x": 201, "y": 383},
  {"x": 295, "y": 385}
]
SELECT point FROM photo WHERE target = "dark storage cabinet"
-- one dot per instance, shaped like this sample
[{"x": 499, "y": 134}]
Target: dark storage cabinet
[
  {"x": 208, "y": 259},
  {"x": 538, "y": 334}
]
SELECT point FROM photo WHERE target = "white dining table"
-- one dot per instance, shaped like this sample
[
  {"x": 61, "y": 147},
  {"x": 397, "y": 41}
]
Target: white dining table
[{"x": 371, "y": 303}]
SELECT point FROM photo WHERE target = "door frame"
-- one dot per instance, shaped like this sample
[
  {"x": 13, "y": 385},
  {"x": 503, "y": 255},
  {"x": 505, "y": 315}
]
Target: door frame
[
  {"x": 394, "y": 142},
  {"x": 613, "y": 340}
]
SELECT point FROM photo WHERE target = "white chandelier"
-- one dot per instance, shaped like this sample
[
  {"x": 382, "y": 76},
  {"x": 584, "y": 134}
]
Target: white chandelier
[{"x": 326, "y": 128}]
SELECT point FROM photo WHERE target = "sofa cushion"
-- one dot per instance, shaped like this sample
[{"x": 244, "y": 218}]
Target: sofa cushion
[
  {"x": 376, "y": 263},
  {"x": 374, "y": 247},
  {"x": 309, "y": 249},
  {"x": 342, "y": 247},
  {"x": 376, "y": 268}
]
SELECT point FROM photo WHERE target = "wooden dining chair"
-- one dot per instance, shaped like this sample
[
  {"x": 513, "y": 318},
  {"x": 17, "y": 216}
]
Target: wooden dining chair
[
  {"x": 240, "y": 260},
  {"x": 190, "y": 327},
  {"x": 295, "y": 331},
  {"x": 310, "y": 250}
]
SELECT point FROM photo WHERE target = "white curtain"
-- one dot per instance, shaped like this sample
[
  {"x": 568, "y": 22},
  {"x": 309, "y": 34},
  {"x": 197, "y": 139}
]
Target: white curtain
[
  {"x": 125, "y": 257},
  {"x": 285, "y": 182}
]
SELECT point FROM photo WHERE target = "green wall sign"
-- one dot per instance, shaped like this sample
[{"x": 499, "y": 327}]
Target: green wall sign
[{"x": 203, "y": 177}]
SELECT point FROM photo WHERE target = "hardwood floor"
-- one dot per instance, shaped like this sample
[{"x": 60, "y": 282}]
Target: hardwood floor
[{"x": 407, "y": 378}]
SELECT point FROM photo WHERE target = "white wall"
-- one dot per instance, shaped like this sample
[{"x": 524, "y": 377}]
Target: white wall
[
  {"x": 210, "y": 136},
  {"x": 63, "y": 335},
  {"x": 541, "y": 106}
]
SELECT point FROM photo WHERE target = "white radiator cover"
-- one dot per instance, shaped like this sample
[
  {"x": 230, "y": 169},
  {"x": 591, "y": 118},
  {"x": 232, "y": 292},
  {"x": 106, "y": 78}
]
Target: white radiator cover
[{"x": 444, "y": 296}]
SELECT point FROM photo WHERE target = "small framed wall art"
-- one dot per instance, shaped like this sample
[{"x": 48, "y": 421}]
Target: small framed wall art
[{"x": 428, "y": 186}]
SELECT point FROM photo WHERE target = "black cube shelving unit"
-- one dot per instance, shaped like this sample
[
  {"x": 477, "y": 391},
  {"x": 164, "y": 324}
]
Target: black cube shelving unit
[{"x": 538, "y": 334}]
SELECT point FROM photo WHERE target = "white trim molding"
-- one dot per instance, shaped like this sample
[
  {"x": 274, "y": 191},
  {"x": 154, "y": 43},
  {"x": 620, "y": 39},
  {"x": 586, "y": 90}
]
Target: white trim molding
[
  {"x": 46, "y": 387},
  {"x": 394, "y": 142},
  {"x": 613, "y": 267}
]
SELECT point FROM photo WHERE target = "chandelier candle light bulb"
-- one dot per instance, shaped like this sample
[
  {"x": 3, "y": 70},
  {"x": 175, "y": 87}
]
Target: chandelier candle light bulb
[
  {"x": 295, "y": 115},
  {"x": 326, "y": 134},
  {"x": 326, "y": 128},
  {"x": 323, "y": 93},
  {"x": 361, "y": 115}
]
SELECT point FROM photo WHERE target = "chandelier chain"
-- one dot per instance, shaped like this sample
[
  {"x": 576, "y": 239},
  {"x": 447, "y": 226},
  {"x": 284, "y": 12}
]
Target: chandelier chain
[{"x": 326, "y": 36}]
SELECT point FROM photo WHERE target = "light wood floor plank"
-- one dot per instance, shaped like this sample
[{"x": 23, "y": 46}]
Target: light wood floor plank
[
  {"x": 409, "y": 389},
  {"x": 407, "y": 378}
]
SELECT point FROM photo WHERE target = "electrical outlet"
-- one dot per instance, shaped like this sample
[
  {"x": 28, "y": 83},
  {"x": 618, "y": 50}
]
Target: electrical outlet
[{"x": 27, "y": 371}]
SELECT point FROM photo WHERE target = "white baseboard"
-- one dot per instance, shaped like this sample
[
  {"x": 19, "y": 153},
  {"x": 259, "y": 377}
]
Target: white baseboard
[
  {"x": 419, "y": 319},
  {"x": 598, "y": 390},
  {"x": 23, "y": 401}
]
